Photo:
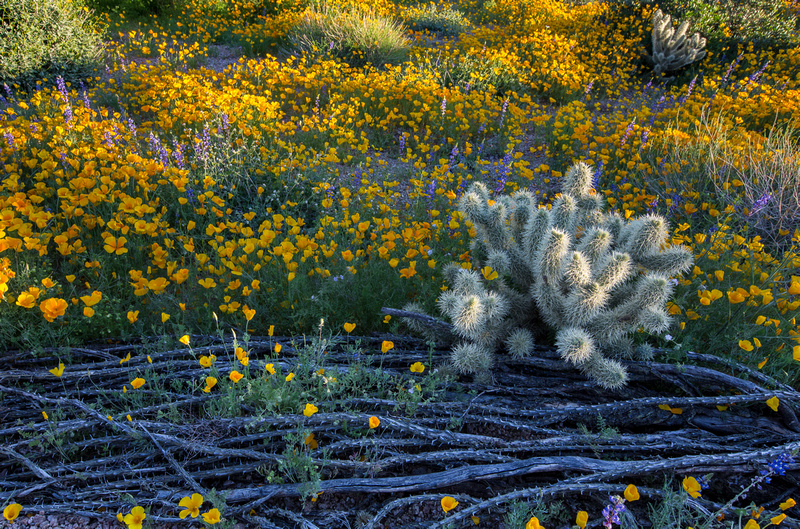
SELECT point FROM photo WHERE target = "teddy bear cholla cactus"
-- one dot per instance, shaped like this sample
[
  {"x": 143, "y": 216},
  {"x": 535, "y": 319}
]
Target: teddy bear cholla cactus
[
  {"x": 674, "y": 49},
  {"x": 593, "y": 276}
]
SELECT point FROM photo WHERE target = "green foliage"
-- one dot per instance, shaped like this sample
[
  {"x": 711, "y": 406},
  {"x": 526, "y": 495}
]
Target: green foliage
[
  {"x": 590, "y": 275},
  {"x": 734, "y": 23},
  {"x": 473, "y": 69},
  {"x": 354, "y": 35},
  {"x": 446, "y": 21},
  {"x": 47, "y": 38},
  {"x": 133, "y": 8}
]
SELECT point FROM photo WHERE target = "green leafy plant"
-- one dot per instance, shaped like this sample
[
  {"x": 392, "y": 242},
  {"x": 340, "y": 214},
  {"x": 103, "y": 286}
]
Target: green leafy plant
[
  {"x": 593, "y": 277},
  {"x": 355, "y": 35},
  {"x": 443, "y": 21},
  {"x": 47, "y": 38}
]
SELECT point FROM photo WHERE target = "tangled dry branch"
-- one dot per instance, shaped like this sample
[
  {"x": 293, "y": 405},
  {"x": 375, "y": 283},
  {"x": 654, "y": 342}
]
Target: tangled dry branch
[{"x": 525, "y": 434}]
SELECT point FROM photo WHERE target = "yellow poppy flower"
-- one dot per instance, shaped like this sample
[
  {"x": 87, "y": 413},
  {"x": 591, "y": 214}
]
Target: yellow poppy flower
[
  {"x": 11, "y": 511},
  {"x": 631, "y": 493},
  {"x": 211, "y": 517},
  {"x": 57, "y": 371},
  {"x": 135, "y": 518},
  {"x": 192, "y": 506},
  {"x": 448, "y": 503}
]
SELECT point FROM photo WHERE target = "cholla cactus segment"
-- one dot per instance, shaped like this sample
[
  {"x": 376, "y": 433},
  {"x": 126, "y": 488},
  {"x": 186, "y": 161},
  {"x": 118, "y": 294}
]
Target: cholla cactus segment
[
  {"x": 578, "y": 180},
  {"x": 673, "y": 49},
  {"x": 470, "y": 358},
  {"x": 575, "y": 345},
  {"x": 520, "y": 343},
  {"x": 595, "y": 278},
  {"x": 607, "y": 372}
]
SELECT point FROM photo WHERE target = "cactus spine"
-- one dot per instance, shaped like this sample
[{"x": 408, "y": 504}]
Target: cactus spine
[
  {"x": 674, "y": 49},
  {"x": 592, "y": 276}
]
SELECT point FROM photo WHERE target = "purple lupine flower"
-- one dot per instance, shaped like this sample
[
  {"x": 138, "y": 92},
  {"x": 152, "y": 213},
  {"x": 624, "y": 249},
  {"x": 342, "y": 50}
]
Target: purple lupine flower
[
  {"x": 780, "y": 465},
  {"x": 730, "y": 69},
  {"x": 754, "y": 78},
  {"x": 628, "y": 132},
  {"x": 109, "y": 140},
  {"x": 202, "y": 144},
  {"x": 444, "y": 104},
  {"x": 645, "y": 136},
  {"x": 178, "y": 154},
  {"x": 9, "y": 93},
  {"x": 154, "y": 142},
  {"x": 163, "y": 155},
  {"x": 224, "y": 119},
  {"x": 760, "y": 203},
  {"x": 62, "y": 87},
  {"x": 676, "y": 199},
  {"x": 503, "y": 172},
  {"x": 430, "y": 190},
  {"x": 482, "y": 127},
  {"x": 402, "y": 143},
  {"x": 688, "y": 91},
  {"x": 189, "y": 194},
  {"x": 503, "y": 112},
  {"x": 726, "y": 77},
  {"x": 85, "y": 96},
  {"x": 588, "y": 88},
  {"x": 597, "y": 173},
  {"x": 612, "y": 511},
  {"x": 651, "y": 207},
  {"x": 132, "y": 127},
  {"x": 469, "y": 85},
  {"x": 777, "y": 467},
  {"x": 10, "y": 140},
  {"x": 453, "y": 155},
  {"x": 34, "y": 128}
]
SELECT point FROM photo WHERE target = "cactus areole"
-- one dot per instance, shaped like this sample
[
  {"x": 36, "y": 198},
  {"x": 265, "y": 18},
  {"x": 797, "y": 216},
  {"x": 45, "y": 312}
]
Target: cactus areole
[{"x": 593, "y": 277}]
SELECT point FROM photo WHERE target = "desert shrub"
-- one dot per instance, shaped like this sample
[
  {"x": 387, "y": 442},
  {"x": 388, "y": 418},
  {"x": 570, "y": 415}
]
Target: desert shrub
[
  {"x": 765, "y": 189},
  {"x": 764, "y": 23},
  {"x": 45, "y": 39},
  {"x": 133, "y": 8},
  {"x": 444, "y": 21},
  {"x": 758, "y": 183},
  {"x": 474, "y": 70},
  {"x": 354, "y": 35}
]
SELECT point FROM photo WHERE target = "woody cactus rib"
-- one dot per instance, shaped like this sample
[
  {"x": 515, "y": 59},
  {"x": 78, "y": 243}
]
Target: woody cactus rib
[
  {"x": 593, "y": 276},
  {"x": 673, "y": 49}
]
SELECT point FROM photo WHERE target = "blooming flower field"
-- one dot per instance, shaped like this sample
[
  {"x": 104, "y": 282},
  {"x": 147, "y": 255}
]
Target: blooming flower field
[
  {"x": 169, "y": 197},
  {"x": 164, "y": 192}
]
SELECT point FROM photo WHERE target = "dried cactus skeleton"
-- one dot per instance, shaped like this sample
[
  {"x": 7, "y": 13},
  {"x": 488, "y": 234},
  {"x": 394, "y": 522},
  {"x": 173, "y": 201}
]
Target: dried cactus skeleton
[
  {"x": 673, "y": 49},
  {"x": 593, "y": 276}
]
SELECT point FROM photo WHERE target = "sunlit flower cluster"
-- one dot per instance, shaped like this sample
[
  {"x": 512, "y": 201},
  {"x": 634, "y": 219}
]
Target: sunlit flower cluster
[{"x": 166, "y": 193}]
